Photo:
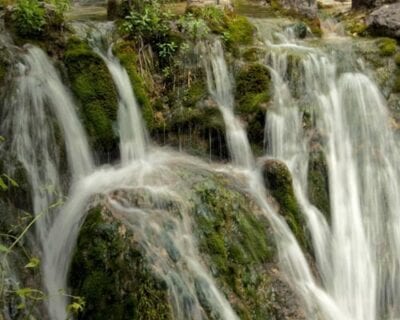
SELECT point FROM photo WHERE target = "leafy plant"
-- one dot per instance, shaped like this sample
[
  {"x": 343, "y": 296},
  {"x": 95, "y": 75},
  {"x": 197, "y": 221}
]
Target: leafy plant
[
  {"x": 29, "y": 17},
  {"x": 195, "y": 28},
  {"x": 150, "y": 24},
  {"x": 167, "y": 50}
]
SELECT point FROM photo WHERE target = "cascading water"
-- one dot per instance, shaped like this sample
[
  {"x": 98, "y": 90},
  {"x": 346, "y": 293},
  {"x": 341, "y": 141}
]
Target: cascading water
[
  {"x": 37, "y": 90},
  {"x": 357, "y": 252},
  {"x": 291, "y": 256},
  {"x": 220, "y": 88},
  {"x": 187, "y": 278},
  {"x": 134, "y": 140}
]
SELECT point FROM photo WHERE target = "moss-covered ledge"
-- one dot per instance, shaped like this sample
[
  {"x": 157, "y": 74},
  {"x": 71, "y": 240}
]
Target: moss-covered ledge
[{"x": 95, "y": 92}]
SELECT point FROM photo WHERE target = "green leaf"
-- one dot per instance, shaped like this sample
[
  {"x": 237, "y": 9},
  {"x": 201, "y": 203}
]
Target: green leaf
[
  {"x": 33, "y": 263},
  {"x": 12, "y": 181},
  {"x": 3, "y": 249},
  {"x": 3, "y": 186}
]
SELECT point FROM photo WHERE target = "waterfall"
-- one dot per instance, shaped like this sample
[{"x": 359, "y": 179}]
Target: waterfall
[
  {"x": 220, "y": 87},
  {"x": 357, "y": 251},
  {"x": 38, "y": 94},
  {"x": 291, "y": 257},
  {"x": 133, "y": 136},
  {"x": 187, "y": 279}
]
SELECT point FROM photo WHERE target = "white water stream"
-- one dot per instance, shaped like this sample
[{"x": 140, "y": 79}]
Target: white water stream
[{"x": 357, "y": 251}]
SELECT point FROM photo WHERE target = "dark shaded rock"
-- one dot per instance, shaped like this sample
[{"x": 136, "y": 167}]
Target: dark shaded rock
[
  {"x": 278, "y": 180},
  {"x": 385, "y": 21}
]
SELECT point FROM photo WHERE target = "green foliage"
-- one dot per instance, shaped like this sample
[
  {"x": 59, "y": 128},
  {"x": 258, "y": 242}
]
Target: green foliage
[
  {"x": 29, "y": 17},
  {"x": 151, "y": 24},
  {"x": 387, "y": 46},
  {"x": 239, "y": 31},
  {"x": 195, "y": 28},
  {"x": 166, "y": 50}
]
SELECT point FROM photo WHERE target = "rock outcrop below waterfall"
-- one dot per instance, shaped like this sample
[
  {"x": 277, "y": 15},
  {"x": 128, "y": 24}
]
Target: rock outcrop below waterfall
[
  {"x": 116, "y": 273},
  {"x": 385, "y": 21}
]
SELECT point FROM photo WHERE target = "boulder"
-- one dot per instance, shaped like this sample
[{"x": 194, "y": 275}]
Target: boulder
[
  {"x": 385, "y": 21},
  {"x": 307, "y": 8}
]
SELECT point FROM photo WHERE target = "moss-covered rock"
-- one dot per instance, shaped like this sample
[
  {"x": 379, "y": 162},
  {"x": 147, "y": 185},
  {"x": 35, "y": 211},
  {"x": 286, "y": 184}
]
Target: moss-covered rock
[
  {"x": 108, "y": 270},
  {"x": 116, "y": 277},
  {"x": 278, "y": 180},
  {"x": 252, "y": 95},
  {"x": 95, "y": 91},
  {"x": 387, "y": 46},
  {"x": 126, "y": 53},
  {"x": 396, "y": 83},
  {"x": 318, "y": 184}
]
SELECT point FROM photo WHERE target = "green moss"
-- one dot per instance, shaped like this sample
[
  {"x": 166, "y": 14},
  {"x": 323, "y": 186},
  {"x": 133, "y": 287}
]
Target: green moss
[
  {"x": 252, "y": 95},
  {"x": 397, "y": 59},
  {"x": 237, "y": 241},
  {"x": 252, "y": 54},
  {"x": 110, "y": 273},
  {"x": 252, "y": 78},
  {"x": 279, "y": 182},
  {"x": 93, "y": 87},
  {"x": 387, "y": 46},
  {"x": 125, "y": 52},
  {"x": 318, "y": 185},
  {"x": 194, "y": 93},
  {"x": 239, "y": 31}
]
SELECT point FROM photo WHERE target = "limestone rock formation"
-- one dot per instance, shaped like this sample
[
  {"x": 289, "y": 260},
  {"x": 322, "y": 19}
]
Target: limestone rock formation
[
  {"x": 306, "y": 8},
  {"x": 385, "y": 21}
]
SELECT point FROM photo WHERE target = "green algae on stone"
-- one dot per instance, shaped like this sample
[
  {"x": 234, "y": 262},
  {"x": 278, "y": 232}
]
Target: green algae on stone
[
  {"x": 387, "y": 46},
  {"x": 237, "y": 241},
  {"x": 279, "y": 182},
  {"x": 318, "y": 184},
  {"x": 94, "y": 88},
  {"x": 252, "y": 95}
]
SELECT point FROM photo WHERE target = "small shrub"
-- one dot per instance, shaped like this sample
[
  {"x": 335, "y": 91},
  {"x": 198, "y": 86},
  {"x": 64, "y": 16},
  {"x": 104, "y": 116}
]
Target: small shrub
[{"x": 29, "y": 18}]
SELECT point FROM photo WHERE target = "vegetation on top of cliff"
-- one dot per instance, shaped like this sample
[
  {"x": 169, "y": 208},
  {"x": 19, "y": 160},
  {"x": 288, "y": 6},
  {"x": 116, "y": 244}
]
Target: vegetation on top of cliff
[{"x": 37, "y": 19}]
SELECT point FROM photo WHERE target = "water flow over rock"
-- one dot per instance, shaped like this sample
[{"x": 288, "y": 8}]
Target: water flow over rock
[{"x": 357, "y": 250}]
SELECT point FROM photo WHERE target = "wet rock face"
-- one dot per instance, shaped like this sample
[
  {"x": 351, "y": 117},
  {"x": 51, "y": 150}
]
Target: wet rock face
[
  {"x": 385, "y": 21},
  {"x": 119, "y": 278},
  {"x": 306, "y": 8}
]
